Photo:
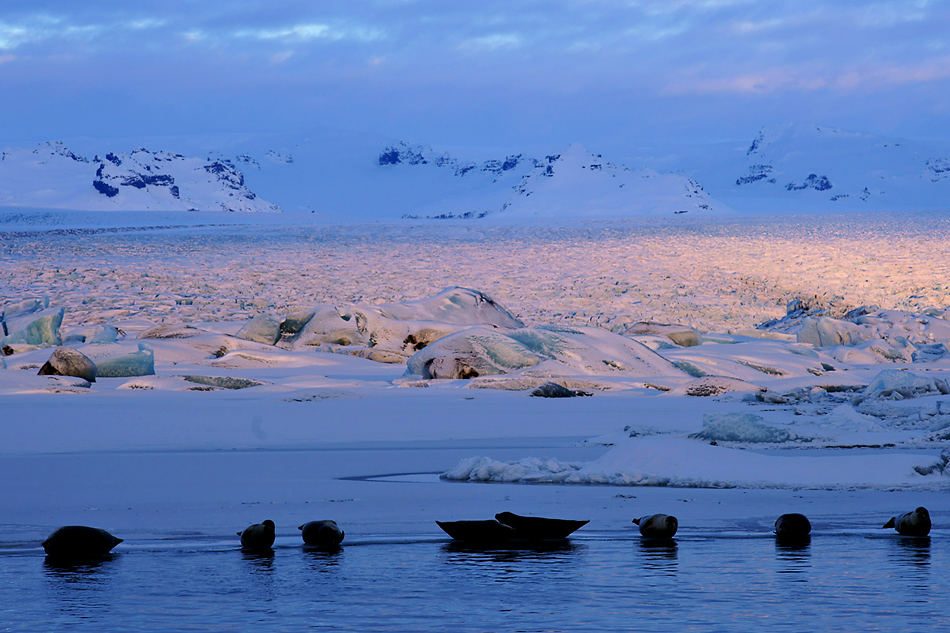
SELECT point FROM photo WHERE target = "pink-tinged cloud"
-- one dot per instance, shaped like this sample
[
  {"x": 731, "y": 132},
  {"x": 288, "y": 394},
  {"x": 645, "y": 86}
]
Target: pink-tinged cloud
[
  {"x": 798, "y": 79},
  {"x": 6, "y": 58}
]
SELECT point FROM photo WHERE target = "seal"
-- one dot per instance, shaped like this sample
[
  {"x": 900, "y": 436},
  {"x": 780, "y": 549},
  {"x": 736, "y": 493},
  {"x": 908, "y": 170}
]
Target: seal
[
  {"x": 488, "y": 532},
  {"x": 539, "y": 528},
  {"x": 657, "y": 525},
  {"x": 259, "y": 536},
  {"x": 916, "y": 523},
  {"x": 74, "y": 543},
  {"x": 321, "y": 533},
  {"x": 792, "y": 527}
]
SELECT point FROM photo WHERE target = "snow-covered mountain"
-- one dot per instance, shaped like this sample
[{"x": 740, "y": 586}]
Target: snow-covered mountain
[
  {"x": 571, "y": 184},
  {"x": 799, "y": 167},
  {"x": 359, "y": 177},
  {"x": 52, "y": 176},
  {"x": 577, "y": 183}
]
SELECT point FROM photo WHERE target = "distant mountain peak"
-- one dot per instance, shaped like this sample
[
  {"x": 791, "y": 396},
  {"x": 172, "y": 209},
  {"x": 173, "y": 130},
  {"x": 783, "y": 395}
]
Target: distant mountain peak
[{"x": 52, "y": 176}]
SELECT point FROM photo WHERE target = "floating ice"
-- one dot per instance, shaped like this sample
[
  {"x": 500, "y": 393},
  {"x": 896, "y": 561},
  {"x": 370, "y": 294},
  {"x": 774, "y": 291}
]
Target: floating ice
[
  {"x": 393, "y": 332},
  {"x": 540, "y": 351},
  {"x": 264, "y": 328},
  {"x": 661, "y": 460},
  {"x": 682, "y": 335},
  {"x": 140, "y": 363},
  {"x": 825, "y": 332},
  {"x": 894, "y": 384},
  {"x": 473, "y": 352},
  {"x": 740, "y": 427},
  {"x": 711, "y": 386},
  {"x": 31, "y": 322},
  {"x": 528, "y": 470}
]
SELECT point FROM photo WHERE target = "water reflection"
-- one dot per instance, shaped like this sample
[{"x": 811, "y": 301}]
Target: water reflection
[
  {"x": 793, "y": 555},
  {"x": 659, "y": 555},
  {"x": 81, "y": 589},
  {"x": 260, "y": 563},
  {"x": 322, "y": 559},
  {"x": 531, "y": 562},
  {"x": 912, "y": 554},
  {"x": 913, "y": 550},
  {"x": 76, "y": 570}
]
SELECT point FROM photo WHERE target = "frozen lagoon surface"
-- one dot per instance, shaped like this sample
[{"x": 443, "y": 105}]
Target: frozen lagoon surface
[{"x": 177, "y": 471}]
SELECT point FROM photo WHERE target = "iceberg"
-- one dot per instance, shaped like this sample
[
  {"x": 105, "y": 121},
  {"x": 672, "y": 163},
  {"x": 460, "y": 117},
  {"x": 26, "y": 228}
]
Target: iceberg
[
  {"x": 740, "y": 427},
  {"x": 140, "y": 363},
  {"x": 894, "y": 384},
  {"x": 539, "y": 352},
  {"x": 31, "y": 322},
  {"x": 264, "y": 328}
]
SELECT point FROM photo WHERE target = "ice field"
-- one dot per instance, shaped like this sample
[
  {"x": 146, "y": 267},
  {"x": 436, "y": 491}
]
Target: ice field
[{"x": 294, "y": 370}]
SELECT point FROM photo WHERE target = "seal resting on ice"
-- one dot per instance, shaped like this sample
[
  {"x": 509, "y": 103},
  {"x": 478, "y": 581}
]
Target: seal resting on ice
[
  {"x": 79, "y": 543},
  {"x": 792, "y": 527},
  {"x": 539, "y": 528},
  {"x": 916, "y": 523},
  {"x": 657, "y": 525},
  {"x": 321, "y": 533},
  {"x": 259, "y": 536}
]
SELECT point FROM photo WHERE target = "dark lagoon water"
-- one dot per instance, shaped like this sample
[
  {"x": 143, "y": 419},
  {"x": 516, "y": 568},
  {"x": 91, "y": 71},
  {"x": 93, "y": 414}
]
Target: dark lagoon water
[{"x": 592, "y": 583}]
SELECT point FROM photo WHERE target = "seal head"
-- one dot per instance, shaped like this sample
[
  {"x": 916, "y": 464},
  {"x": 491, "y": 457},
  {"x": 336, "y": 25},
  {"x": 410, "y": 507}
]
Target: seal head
[
  {"x": 259, "y": 536},
  {"x": 321, "y": 533},
  {"x": 792, "y": 527},
  {"x": 657, "y": 525}
]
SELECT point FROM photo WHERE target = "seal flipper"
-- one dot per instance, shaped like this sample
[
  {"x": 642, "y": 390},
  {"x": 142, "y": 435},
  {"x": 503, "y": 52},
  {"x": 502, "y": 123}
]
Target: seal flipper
[
  {"x": 891, "y": 523},
  {"x": 637, "y": 521}
]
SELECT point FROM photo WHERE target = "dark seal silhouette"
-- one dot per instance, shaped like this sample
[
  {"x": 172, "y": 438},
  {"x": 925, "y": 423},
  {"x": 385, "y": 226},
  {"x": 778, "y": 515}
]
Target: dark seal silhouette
[
  {"x": 321, "y": 533},
  {"x": 916, "y": 523},
  {"x": 792, "y": 527},
  {"x": 77, "y": 543},
  {"x": 488, "y": 532},
  {"x": 258, "y": 537},
  {"x": 539, "y": 528},
  {"x": 657, "y": 525}
]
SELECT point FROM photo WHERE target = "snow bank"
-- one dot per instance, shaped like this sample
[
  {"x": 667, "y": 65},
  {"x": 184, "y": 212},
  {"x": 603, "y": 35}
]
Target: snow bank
[{"x": 671, "y": 461}]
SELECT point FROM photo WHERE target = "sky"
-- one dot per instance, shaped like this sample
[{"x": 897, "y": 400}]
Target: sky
[{"x": 502, "y": 73}]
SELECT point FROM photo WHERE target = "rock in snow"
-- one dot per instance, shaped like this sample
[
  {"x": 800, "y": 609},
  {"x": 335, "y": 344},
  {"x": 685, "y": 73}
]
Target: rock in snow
[{"x": 66, "y": 361}]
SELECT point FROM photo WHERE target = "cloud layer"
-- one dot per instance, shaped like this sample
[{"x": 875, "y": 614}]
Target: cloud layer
[{"x": 491, "y": 71}]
